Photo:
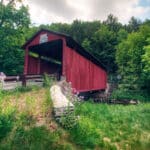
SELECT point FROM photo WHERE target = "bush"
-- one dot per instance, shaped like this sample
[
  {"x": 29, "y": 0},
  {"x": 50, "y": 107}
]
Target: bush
[
  {"x": 130, "y": 95},
  {"x": 68, "y": 120}
]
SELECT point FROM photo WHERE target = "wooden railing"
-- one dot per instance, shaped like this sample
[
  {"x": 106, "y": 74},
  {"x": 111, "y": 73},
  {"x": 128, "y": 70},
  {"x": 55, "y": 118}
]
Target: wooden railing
[
  {"x": 12, "y": 78},
  {"x": 12, "y": 82},
  {"x": 30, "y": 78}
]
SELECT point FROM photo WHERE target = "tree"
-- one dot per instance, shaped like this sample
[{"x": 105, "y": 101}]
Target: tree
[
  {"x": 87, "y": 45},
  {"x": 112, "y": 23},
  {"x": 146, "y": 68},
  {"x": 103, "y": 46},
  {"x": 146, "y": 58},
  {"x": 129, "y": 57},
  {"x": 13, "y": 26},
  {"x": 81, "y": 30},
  {"x": 58, "y": 27},
  {"x": 133, "y": 25},
  {"x": 121, "y": 35}
]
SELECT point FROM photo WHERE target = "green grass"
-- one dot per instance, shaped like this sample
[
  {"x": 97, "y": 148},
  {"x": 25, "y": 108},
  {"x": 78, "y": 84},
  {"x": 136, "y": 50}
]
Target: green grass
[
  {"x": 26, "y": 123},
  {"x": 112, "y": 126}
]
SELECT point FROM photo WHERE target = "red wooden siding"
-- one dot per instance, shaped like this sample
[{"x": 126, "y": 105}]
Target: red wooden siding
[
  {"x": 82, "y": 73},
  {"x": 32, "y": 65}
]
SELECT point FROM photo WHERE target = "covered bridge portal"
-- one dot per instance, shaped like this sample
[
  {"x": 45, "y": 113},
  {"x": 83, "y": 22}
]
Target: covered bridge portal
[{"x": 55, "y": 53}]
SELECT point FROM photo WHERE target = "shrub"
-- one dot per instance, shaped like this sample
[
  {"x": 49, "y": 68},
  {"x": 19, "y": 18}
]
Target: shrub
[
  {"x": 68, "y": 119},
  {"x": 130, "y": 94}
]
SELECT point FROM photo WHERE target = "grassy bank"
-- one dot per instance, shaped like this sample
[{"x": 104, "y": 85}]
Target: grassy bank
[
  {"x": 112, "y": 126},
  {"x": 26, "y": 122}
]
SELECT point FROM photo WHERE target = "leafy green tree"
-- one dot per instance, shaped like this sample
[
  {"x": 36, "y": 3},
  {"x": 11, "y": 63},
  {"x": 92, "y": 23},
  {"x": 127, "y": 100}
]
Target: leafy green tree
[
  {"x": 77, "y": 30},
  {"x": 81, "y": 30},
  {"x": 146, "y": 68},
  {"x": 146, "y": 58},
  {"x": 89, "y": 29},
  {"x": 87, "y": 45},
  {"x": 129, "y": 57},
  {"x": 58, "y": 27},
  {"x": 146, "y": 22},
  {"x": 134, "y": 24},
  {"x": 121, "y": 35},
  {"x": 103, "y": 47},
  {"x": 13, "y": 26},
  {"x": 112, "y": 23}
]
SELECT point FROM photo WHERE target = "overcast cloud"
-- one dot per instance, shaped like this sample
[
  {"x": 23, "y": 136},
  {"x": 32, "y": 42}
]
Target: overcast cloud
[{"x": 48, "y": 11}]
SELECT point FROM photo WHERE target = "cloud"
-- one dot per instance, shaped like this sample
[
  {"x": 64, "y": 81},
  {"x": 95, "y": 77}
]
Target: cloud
[
  {"x": 59, "y": 7},
  {"x": 48, "y": 11}
]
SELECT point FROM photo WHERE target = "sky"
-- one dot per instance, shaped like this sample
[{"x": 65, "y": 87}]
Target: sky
[{"x": 65, "y": 11}]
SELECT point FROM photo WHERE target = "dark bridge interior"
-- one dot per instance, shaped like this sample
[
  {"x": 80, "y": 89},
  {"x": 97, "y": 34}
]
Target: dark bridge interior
[{"x": 51, "y": 56}]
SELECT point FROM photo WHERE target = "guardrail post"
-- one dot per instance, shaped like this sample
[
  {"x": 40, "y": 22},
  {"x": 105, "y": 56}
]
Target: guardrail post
[{"x": 23, "y": 79}]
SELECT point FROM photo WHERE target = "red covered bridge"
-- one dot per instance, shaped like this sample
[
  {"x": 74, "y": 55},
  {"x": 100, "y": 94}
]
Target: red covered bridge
[{"x": 51, "y": 52}]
